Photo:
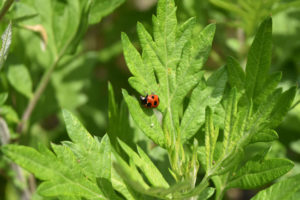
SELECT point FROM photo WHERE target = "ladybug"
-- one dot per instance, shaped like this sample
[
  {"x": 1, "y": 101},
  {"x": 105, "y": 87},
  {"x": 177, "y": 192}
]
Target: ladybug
[{"x": 150, "y": 101}]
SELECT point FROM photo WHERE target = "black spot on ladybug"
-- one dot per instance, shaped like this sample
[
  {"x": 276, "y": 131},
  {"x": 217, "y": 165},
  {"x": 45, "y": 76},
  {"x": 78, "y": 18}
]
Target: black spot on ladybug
[
  {"x": 152, "y": 97},
  {"x": 155, "y": 103},
  {"x": 149, "y": 105}
]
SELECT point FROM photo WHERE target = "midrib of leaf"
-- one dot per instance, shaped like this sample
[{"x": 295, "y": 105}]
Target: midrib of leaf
[
  {"x": 64, "y": 177},
  {"x": 166, "y": 70}
]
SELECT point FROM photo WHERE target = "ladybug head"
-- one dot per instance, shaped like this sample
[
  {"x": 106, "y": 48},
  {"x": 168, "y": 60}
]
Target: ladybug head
[{"x": 143, "y": 100}]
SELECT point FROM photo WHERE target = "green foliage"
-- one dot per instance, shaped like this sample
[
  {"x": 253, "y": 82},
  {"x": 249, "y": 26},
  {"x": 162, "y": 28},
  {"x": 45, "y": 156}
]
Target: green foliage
[
  {"x": 20, "y": 79},
  {"x": 99, "y": 9},
  {"x": 175, "y": 59},
  {"x": 211, "y": 132},
  {"x": 290, "y": 186},
  {"x": 3, "y": 98},
  {"x": 74, "y": 168},
  {"x": 251, "y": 13}
]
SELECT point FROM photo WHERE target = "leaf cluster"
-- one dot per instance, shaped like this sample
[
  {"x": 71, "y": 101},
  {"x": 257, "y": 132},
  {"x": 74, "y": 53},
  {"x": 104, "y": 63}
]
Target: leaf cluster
[
  {"x": 205, "y": 123},
  {"x": 250, "y": 12}
]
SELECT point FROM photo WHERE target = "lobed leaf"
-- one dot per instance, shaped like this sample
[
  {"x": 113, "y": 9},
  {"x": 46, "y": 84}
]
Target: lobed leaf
[
  {"x": 270, "y": 85},
  {"x": 145, "y": 164},
  {"x": 144, "y": 79},
  {"x": 236, "y": 75},
  {"x": 283, "y": 190},
  {"x": 145, "y": 119},
  {"x": 256, "y": 173},
  {"x": 170, "y": 63},
  {"x": 282, "y": 106},
  {"x": 54, "y": 172},
  {"x": 202, "y": 96},
  {"x": 77, "y": 132}
]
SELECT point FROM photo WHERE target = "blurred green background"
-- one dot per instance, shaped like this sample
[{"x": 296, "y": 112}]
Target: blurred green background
[{"x": 79, "y": 82}]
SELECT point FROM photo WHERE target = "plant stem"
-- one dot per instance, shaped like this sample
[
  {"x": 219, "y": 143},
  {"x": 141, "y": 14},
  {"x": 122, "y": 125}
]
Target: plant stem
[
  {"x": 5, "y": 8},
  {"x": 296, "y": 104},
  {"x": 220, "y": 195},
  {"x": 37, "y": 94},
  {"x": 5, "y": 139}
]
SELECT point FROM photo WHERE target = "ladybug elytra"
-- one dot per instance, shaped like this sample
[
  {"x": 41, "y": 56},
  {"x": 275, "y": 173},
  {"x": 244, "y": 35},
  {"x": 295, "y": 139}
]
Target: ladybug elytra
[{"x": 150, "y": 101}]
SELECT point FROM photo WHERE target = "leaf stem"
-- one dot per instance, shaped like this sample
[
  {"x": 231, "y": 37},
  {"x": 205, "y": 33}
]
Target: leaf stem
[
  {"x": 37, "y": 94},
  {"x": 5, "y": 8},
  {"x": 295, "y": 104}
]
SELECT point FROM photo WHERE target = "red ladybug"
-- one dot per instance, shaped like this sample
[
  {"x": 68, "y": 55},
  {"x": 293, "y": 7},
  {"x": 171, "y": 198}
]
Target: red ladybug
[{"x": 150, "y": 101}]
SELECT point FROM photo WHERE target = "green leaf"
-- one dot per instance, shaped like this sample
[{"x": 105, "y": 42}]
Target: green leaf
[
  {"x": 132, "y": 178},
  {"x": 199, "y": 192},
  {"x": 230, "y": 123},
  {"x": 69, "y": 92},
  {"x": 169, "y": 65},
  {"x": 295, "y": 146},
  {"x": 93, "y": 156},
  {"x": 19, "y": 78},
  {"x": 229, "y": 161},
  {"x": 70, "y": 17},
  {"x": 236, "y": 75},
  {"x": 282, "y": 106},
  {"x": 194, "y": 55},
  {"x": 107, "y": 188},
  {"x": 146, "y": 165},
  {"x": 270, "y": 85},
  {"x": 60, "y": 178},
  {"x": 100, "y": 9},
  {"x": 282, "y": 190},
  {"x": 144, "y": 78},
  {"x": 112, "y": 114},
  {"x": 3, "y": 97},
  {"x": 9, "y": 114},
  {"x": 6, "y": 41},
  {"x": 74, "y": 41},
  {"x": 202, "y": 96},
  {"x": 259, "y": 60},
  {"x": 256, "y": 173},
  {"x": 206, "y": 194},
  {"x": 232, "y": 7},
  {"x": 65, "y": 18},
  {"x": 130, "y": 175},
  {"x": 264, "y": 136},
  {"x": 119, "y": 185},
  {"x": 118, "y": 114},
  {"x": 262, "y": 117},
  {"x": 145, "y": 119},
  {"x": 76, "y": 131},
  {"x": 211, "y": 136}
]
